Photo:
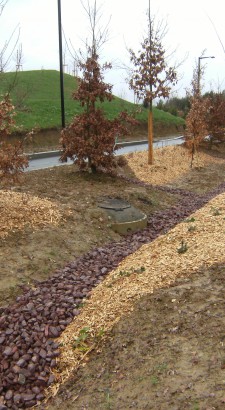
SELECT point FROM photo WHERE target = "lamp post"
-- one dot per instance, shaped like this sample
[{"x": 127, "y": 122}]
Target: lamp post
[
  {"x": 199, "y": 70},
  {"x": 61, "y": 65}
]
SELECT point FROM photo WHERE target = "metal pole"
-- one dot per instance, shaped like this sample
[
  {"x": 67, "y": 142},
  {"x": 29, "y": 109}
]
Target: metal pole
[
  {"x": 199, "y": 71},
  {"x": 150, "y": 114},
  {"x": 61, "y": 65}
]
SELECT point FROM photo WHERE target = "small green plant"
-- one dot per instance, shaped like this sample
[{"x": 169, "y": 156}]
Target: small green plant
[
  {"x": 81, "y": 340},
  {"x": 190, "y": 220},
  {"x": 125, "y": 273},
  {"x": 154, "y": 380},
  {"x": 215, "y": 211},
  {"x": 196, "y": 406},
  {"x": 100, "y": 334},
  {"x": 52, "y": 253},
  {"x": 108, "y": 400},
  {"x": 80, "y": 305},
  {"x": 183, "y": 248},
  {"x": 161, "y": 367},
  {"x": 139, "y": 270},
  {"x": 132, "y": 270}
]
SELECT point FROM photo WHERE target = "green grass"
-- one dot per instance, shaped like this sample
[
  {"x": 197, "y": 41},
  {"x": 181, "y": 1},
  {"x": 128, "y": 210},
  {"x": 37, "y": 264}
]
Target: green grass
[{"x": 36, "y": 96}]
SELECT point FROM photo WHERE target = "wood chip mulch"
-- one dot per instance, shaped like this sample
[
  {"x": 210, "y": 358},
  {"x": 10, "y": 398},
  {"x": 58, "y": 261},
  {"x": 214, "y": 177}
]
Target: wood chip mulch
[
  {"x": 170, "y": 164},
  {"x": 18, "y": 210},
  {"x": 196, "y": 242}
]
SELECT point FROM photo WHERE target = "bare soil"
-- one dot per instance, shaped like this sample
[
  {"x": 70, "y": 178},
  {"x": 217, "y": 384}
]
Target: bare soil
[
  {"x": 167, "y": 351},
  {"x": 35, "y": 251}
]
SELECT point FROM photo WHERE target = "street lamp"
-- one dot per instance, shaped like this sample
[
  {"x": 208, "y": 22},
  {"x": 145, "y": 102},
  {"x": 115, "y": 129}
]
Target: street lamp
[
  {"x": 199, "y": 70},
  {"x": 61, "y": 65}
]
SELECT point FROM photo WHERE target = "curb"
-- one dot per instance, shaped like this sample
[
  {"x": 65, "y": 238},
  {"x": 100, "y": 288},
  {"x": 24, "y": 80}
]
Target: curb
[{"x": 49, "y": 154}]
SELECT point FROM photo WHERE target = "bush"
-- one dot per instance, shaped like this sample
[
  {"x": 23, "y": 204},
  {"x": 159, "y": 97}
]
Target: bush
[{"x": 12, "y": 160}]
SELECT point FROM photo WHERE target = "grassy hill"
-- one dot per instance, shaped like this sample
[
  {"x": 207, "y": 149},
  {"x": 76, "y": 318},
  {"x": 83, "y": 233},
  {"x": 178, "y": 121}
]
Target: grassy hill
[{"x": 36, "y": 96}]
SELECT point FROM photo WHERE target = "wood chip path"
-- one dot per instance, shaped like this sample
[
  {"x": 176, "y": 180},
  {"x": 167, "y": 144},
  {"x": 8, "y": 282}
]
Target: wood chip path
[{"x": 193, "y": 244}]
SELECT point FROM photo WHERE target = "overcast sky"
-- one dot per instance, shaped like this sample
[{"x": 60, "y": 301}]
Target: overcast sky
[{"x": 193, "y": 26}]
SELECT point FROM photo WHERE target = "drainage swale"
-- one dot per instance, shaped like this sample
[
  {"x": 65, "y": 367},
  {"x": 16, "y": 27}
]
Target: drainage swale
[{"x": 124, "y": 217}]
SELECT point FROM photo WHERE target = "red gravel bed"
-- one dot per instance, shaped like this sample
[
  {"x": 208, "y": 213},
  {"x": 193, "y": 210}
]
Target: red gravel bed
[{"x": 28, "y": 327}]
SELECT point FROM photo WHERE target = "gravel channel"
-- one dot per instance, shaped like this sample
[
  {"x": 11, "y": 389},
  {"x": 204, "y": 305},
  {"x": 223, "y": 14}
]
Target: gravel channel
[{"x": 30, "y": 326}]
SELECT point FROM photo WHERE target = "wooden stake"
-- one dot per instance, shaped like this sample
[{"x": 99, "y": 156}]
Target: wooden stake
[{"x": 150, "y": 137}]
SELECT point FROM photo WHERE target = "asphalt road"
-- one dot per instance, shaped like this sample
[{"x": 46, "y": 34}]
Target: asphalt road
[{"x": 49, "y": 160}]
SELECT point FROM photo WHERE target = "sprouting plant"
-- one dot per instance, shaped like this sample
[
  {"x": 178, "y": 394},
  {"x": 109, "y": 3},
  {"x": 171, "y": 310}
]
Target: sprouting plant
[
  {"x": 139, "y": 270},
  {"x": 100, "y": 334},
  {"x": 183, "y": 248},
  {"x": 81, "y": 340},
  {"x": 154, "y": 380},
  {"x": 80, "y": 305},
  {"x": 108, "y": 400},
  {"x": 132, "y": 270},
  {"x": 124, "y": 273},
  {"x": 52, "y": 253},
  {"x": 161, "y": 367},
  {"x": 190, "y": 220},
  {"x": 196, "y": 406},
  {"x": 215, "y": 211}
]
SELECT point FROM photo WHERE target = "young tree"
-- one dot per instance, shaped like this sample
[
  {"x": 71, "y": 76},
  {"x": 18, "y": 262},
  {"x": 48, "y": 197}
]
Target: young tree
[
  {"x": 196, "y": 124},
  {"x": 151, "y": 76},
  {"x": 196, "y": 121},
  {"x": 206, "y": 116},
  {"x": 90, "y": 139},
  {"x": 12, "y": 159},
  {"x": 205, "y": 120},
  {"x": 215, "y": 119}
]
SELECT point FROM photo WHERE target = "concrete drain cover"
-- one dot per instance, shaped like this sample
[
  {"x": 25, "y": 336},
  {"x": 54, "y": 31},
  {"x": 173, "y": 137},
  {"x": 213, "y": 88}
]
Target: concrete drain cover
[
  {"x": 114, "y": 203},
  {"x": 124, "y": 217}
]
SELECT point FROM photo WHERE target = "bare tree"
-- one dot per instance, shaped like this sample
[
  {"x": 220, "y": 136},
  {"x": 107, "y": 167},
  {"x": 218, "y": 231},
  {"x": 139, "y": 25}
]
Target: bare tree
[
  {"x": 9, "y": 47},
  {"x": 98, "y": 35},
  {"x": 12, "y": 51},
  {"x": 151, "y": 76},
  {"x": 2, "y": 5}
]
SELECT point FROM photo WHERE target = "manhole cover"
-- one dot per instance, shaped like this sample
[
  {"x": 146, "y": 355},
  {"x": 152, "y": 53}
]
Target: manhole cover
[
  {"x": 124, "y": 218},
  {"x": 116, "y": 204}
]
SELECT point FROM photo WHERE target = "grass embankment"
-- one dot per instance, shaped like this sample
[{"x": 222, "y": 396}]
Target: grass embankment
[{"x": 36, "y": 96}]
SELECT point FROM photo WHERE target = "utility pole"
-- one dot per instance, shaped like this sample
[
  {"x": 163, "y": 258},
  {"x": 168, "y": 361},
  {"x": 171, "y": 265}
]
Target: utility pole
[
  {"x": 61, "y": 65},
  {"x": 150, "y": 115},
  {"x": 199, "y": 72}
]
